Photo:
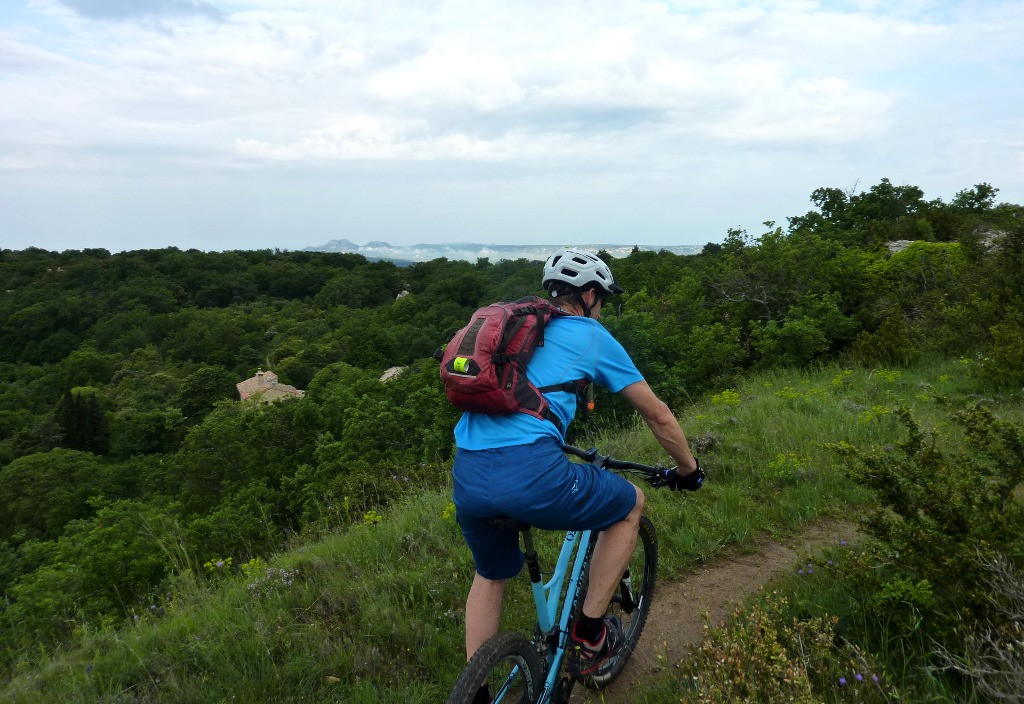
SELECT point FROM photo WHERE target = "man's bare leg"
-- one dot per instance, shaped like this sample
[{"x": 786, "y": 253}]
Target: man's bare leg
[
  {"x": 614, "y": 547},
  {"x": 483, "y": 611}
]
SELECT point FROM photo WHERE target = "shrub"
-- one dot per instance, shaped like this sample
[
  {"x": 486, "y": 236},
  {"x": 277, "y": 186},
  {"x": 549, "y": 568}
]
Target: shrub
[
  {"x": 894, "y": 342},
  {"x": 100, "y": 567},
  {"x": 760, "y": 655},
  {"x": 941, "y": 514},
  {"x": 1003, "y": 364},
  {"x": 995, "y": 661}
]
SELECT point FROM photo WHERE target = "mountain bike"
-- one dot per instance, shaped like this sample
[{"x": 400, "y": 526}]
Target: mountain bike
[{"x": 519, "y": 670}]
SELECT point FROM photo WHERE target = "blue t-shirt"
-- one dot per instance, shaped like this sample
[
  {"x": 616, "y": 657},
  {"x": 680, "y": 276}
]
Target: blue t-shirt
[{"x": 574, "y": 348}]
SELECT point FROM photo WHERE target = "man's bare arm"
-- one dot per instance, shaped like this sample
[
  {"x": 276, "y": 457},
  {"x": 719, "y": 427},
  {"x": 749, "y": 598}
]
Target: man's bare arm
[{"x": 663, "y": 424}]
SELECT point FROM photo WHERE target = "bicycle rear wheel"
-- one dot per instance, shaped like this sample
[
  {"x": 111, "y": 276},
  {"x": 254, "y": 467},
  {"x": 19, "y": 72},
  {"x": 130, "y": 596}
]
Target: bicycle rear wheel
[
  {"x": 631, "y": 603},
  {"x": 510, "y": 666}
]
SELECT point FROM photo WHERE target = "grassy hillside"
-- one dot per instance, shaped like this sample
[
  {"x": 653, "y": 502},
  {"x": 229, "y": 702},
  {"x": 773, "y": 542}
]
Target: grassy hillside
[{"x": 374, "y": 613}]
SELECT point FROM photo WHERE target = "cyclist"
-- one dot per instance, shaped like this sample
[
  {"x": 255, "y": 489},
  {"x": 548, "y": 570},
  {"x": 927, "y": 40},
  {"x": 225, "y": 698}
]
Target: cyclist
[{"x": 513, "y": 466}]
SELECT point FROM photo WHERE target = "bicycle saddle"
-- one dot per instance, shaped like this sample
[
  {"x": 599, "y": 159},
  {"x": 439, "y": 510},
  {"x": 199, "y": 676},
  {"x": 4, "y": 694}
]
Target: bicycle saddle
[{"x": 506, "y": 523}]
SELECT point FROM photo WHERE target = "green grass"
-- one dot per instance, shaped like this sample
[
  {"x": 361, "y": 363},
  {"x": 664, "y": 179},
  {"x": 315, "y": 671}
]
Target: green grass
[{"x": 374, "y": 613}]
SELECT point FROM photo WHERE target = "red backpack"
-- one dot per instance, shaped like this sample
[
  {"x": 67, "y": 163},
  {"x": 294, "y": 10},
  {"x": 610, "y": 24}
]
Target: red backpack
[{"x": 484, "y": 365}]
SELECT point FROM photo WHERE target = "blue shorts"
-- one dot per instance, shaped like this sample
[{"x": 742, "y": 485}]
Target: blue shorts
[{"x": 535, "y": 484}]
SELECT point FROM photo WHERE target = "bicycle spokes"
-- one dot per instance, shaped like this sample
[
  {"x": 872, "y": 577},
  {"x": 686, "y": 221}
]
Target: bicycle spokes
[
  {"x": 511, "y": 690},
  {"x": 510, "y": 682}
]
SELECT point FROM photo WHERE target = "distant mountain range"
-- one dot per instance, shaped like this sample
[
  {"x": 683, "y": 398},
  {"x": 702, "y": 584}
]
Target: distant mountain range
[{"x": 473, "y": 252}]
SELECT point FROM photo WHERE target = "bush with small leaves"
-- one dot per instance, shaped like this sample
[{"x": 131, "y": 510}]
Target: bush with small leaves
[
  {"x": 941, "y": 514},
  {"x": 761, "y": 655}
]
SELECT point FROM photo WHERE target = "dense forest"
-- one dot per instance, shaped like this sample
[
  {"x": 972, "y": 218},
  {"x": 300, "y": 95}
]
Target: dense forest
[{"x": 127, "y": 456}]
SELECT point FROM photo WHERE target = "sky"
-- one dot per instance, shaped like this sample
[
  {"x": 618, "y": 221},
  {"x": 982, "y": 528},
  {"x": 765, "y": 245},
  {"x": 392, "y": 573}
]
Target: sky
[{"x": 218, "y": 125}]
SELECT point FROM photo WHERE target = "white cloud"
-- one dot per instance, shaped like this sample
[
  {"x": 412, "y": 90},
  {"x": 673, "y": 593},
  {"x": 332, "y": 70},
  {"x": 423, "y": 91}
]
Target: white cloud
[
  {"x": 575, "y": 95},
  {"x": 20, "y": 56},
  {"x": 368, "y": 137},
  {"x": 119, "y": 10},
  {"x": 452, "y": 77}
]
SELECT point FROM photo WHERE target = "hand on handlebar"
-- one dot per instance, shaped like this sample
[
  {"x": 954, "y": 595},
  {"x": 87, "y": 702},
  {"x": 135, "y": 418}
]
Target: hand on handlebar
[{"x": 670, "y": 479}]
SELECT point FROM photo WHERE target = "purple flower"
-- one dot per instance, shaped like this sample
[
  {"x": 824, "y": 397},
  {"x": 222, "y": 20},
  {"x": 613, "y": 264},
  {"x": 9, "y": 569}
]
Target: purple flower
[
  {"x": 859, "y": 677},
  {"x": 799, "y": 571},
  {"x": 875, "y": 678},
  {"x": 842, "y": 680}
]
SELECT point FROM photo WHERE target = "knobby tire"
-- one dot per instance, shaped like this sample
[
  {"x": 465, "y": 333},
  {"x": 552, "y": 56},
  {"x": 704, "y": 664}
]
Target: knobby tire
[
  {"x": 643, "y": 570},
  {"x": 495, "y": 662}
]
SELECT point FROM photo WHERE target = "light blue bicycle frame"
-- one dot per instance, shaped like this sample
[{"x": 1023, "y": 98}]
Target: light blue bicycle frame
[{"x": 547, "y": 597}]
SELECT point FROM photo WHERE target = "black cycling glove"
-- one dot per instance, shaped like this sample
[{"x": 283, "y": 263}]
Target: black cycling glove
[{"x": 670, "y": 479}]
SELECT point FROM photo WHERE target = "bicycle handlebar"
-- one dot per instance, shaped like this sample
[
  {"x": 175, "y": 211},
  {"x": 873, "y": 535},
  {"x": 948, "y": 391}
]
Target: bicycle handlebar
[
  {"x": 592, "y": 456},
  {"x": 657, "y": 476}
]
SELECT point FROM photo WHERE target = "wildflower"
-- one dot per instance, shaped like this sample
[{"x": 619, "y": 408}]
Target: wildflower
[
  {"x": 800, "y": 572},
  {"x": 842, "y": 680},
  {"x": 729, "y": 397},
  {"x": 875, "y": 678},
  {"x": 859, "y": 677},
  {"x": 220, "y": 563}
]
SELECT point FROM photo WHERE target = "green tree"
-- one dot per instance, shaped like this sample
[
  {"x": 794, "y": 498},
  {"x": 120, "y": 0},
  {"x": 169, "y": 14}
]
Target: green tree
[
  {"x": 980, "y": 198},
  {"x": 88, "y": 367},
  {"x": 41, "y": 493},
  {"x": 136, "y": 432},
  {"x": 101, "y": 567},
  {"x": 200, "y": 391},
  {"x": 83, "y": 422},
  {"x": 713, "y": 356}
]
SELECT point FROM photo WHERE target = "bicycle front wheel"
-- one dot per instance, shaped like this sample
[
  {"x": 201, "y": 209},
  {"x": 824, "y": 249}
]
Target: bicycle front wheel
[
  {"x": 631, "y": 603},
  {"x": 511, "y": 668}
]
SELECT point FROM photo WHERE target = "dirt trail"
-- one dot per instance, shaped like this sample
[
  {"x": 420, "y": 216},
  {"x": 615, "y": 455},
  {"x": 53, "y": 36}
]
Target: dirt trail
[{"x": 676, "y": 621}]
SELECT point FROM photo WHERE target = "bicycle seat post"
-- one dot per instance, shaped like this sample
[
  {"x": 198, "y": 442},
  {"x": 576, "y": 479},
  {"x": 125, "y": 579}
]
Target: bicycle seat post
[{"x": 532, "y": 563}]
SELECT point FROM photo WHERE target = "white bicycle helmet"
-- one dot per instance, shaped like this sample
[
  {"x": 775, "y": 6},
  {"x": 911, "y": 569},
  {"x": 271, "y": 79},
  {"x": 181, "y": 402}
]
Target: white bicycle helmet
[{"x": 578, "y": 268}]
